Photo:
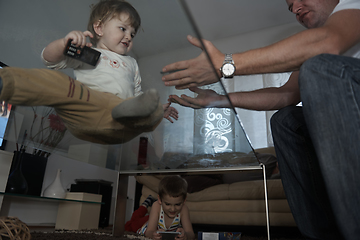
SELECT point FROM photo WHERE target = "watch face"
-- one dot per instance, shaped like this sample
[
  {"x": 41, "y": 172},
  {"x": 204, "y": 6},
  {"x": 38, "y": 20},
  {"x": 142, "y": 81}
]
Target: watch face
[{"x": 228, "y": 69}]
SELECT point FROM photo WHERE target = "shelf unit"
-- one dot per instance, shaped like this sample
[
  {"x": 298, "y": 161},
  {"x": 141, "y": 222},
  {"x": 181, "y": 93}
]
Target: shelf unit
[{"x": 46, "y": 198}]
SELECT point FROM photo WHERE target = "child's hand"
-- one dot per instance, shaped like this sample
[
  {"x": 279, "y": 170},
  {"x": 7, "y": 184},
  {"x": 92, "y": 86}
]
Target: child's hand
[
  {"x": 182, "y": 236},
  {"x": 156, "y": 236},
  {"x": 78, "y": 38},
  {"x": 170, "y": 112}
]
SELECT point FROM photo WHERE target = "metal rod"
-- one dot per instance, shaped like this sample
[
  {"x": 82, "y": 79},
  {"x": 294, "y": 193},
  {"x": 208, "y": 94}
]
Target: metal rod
[
  {"x": 266, "y": 203},
  {"x": 120, "y": 206}
]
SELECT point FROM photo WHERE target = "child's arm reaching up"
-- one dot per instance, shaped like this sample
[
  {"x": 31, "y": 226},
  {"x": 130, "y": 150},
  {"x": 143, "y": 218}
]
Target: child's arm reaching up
[
  {"x": 54, "y": 52},
  {"x": 170, "y": 112}
]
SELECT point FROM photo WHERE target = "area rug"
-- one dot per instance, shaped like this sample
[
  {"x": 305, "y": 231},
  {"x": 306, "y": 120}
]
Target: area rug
[
  {"x": 106, "y": 235},
  {"x": 82, "y": 235}
]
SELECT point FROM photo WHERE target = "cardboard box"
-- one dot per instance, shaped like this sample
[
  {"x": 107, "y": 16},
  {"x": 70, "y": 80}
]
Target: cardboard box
[
  {"x": 79, "y": 215},
  {"x": 219, "y": 235}
]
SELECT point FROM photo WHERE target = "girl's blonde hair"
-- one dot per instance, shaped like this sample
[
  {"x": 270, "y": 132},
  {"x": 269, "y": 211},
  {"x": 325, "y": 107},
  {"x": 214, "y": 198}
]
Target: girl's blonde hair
[{"x": 106, "y": 10}]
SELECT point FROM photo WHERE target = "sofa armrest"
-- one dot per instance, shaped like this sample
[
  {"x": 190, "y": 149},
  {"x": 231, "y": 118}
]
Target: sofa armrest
[
  {"x": 150, "y": 181},
  {"x": 269, "y": 150}
]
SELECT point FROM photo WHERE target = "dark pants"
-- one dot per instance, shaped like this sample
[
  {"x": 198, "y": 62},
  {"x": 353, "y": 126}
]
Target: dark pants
[{"x": 318, "y": 151}]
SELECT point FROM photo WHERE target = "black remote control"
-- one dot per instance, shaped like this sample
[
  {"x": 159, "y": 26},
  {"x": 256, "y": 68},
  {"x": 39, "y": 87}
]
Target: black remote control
[{"x": 85, "y": 54}]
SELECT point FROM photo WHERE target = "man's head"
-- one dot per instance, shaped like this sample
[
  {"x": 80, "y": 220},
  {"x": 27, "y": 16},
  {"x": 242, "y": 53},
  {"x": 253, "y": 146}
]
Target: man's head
[
  {"x": 312, "y": 13},
  {"x": 106, "y": 10}
]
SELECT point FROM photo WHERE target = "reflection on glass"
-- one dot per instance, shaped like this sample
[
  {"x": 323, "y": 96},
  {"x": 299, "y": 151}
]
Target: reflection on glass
[
  {"x": 204, "y": 138},
  {"x": 216, "y": 140},
  {"x": 201, "y": 139},
  {"x": 41, "y": 132}
]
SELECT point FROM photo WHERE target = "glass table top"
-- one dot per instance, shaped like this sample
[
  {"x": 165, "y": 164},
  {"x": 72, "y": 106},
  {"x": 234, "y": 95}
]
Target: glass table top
[{"x": 200, "y": 140}]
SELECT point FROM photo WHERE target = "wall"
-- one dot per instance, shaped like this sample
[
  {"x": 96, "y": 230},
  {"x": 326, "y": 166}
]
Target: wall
[{"x": 28, "y": 26}]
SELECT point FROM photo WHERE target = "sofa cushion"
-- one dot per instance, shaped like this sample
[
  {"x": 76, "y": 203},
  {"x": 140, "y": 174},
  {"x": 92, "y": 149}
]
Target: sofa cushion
[
  {"x": 217, "y": 192},
  {"x": 241, "y": 218},
  {"x": 275, "y": 205},
  {"x": 236, "y": 212},
  {"x": 255, "y": 189},
  {"x": 150, "y": 181},
  {"x": 246, "y": 190},
  {"x": 200, "y": 182}
]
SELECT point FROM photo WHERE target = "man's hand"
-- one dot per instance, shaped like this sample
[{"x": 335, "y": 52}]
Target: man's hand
[
  {"x": 197, "y": 71},
  {"x": 170, "y": 112},
  {"x": 206, "y": 98}
]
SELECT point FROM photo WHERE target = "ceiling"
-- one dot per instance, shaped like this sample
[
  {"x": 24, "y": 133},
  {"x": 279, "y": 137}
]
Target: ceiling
[{"x": 165, "y": 24}]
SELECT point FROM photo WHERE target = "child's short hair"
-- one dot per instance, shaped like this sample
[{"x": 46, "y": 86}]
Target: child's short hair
[
  {"x": 174, "y": 186},
  {"x": 106, "y": 10}
]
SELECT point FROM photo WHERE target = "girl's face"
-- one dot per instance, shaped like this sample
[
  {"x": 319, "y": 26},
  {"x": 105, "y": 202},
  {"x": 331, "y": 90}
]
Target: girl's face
[
  {"x": 116, "y": 34},
  {"x": 171, "y": 205}
]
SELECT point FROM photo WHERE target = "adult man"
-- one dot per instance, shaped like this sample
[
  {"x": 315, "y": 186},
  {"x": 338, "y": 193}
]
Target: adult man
[{"x": 316, "y": 145}]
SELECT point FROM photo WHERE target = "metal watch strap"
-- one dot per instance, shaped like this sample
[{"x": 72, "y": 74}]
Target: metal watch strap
[{"x": 228, "y": 58}]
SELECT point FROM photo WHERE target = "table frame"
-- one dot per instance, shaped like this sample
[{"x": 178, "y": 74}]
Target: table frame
[{"x": 123, "y": 180}]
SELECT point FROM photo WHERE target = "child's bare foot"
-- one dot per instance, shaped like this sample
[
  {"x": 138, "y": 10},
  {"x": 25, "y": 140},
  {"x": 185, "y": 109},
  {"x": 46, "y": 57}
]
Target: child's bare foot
[{"x": 140, "y": 106}]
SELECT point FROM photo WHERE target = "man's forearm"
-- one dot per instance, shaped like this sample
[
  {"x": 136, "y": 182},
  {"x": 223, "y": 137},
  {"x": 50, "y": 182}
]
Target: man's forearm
[
  {"x": 284, "y": 56},
  {"x": 335, "y": 37},
  {"x": 263, "y": 99}
]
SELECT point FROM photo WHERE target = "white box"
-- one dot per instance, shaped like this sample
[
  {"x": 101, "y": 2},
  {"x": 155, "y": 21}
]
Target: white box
[
  {"x": 219, "y": 235},
  {"x": 79, "y": 215}
]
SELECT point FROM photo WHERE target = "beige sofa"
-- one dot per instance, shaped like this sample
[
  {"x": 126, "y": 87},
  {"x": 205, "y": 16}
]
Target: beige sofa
[{"x": 237, "y": 203}]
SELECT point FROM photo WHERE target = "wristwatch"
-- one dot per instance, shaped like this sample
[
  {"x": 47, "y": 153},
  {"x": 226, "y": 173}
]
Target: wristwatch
[{"x": 228, "y": 67}]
